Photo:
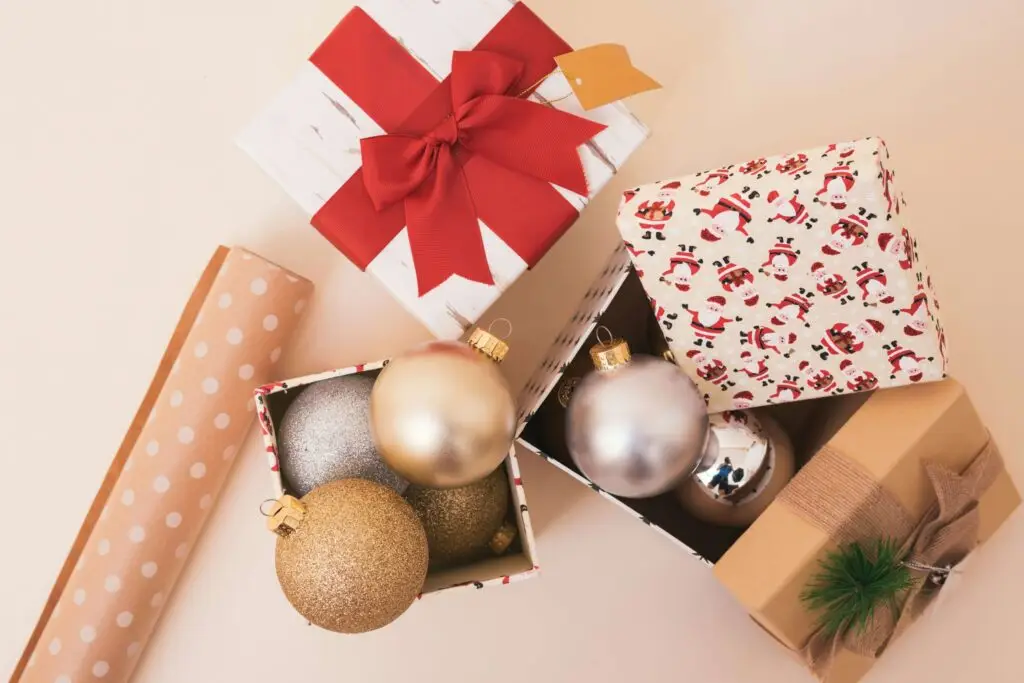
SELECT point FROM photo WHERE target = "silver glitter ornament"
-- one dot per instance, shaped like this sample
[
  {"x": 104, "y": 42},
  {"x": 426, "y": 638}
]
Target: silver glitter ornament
[
  {"x": 325, "y": 436},
  {"x": 637, "y": 425}
]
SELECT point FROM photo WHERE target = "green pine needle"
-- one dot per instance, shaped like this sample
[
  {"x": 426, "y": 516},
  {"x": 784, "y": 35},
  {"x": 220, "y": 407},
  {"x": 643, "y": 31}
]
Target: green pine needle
[{"x": 854, "y": 582}]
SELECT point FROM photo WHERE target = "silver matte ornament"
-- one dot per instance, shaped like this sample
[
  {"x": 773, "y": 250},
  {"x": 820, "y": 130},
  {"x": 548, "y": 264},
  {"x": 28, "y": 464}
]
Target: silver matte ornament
[
  {"x": 325, "y": 436},
  {"x": 637, "y": 425}
]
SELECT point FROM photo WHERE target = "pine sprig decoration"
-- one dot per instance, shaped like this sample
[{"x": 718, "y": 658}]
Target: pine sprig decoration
[{"x": 853, "y": 582}]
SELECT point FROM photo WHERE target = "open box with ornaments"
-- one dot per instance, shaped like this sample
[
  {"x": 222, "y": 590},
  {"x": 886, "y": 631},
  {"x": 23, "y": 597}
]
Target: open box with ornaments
[
  {"x": 618, "y": 302},
  {"x": 509, "y": 557},
  {"x": 912, "y": 463}
]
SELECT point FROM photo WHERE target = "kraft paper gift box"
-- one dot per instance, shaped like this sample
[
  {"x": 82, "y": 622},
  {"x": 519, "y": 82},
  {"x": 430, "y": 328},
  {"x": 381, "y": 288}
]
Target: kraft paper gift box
[
  {"x": 386, "y": 68},
  {"x": 871, "y": 463},
  {"x": 788, "y": 278},
  {"x": 515, "y": 564},
  {"x": 168, "y": 472}
]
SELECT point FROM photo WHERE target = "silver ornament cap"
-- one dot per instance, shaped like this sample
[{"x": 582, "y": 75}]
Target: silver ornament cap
[
  {"x": 325, "y": 436},
  {"x": 638, "y": 425}
]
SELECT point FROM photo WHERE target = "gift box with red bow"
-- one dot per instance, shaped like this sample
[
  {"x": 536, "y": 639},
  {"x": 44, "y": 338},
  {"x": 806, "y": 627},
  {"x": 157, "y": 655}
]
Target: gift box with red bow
[{"x": 437, "y": 146}]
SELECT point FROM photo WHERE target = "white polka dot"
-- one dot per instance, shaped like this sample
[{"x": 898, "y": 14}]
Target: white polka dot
[
  {"x": 54, "y": 646},
  {"x": 104, "y": 514},
  {"x": 198, "y": 470},
  {"x": 201, "y": 350},
  {"x": 181, "y": 551},
  {"x": 124, "y": 619},
  {"x": 128, "y": 465},
  {"x": 246, "y": 371},
  {"x": 31, "y": 661},
  {"x": 275, "y": 354},
  {"x": 235, "y": 336},
  {"x": 149, "y": 570},
  {"x": 133, "y": 649},
  {"x": 246, "y": 256},
  {"x": 250, "y": 405},
  {"x": 224, "y": 301},
  {"x": 210, "y": 385},
  {"x": 156, "y": 600},
  {"x": 103, "y": 547},
  {"x": 136, "y": 534},
  {"x": 100, "y": 669},
  {"x": 80, "y": 563},
  {"x": 56, "y": 610},
  {"x": 176, "y": 398},
  {"x": 186, "y": 435},
  {"x": 199, "y": 318},
  {"x": 79, "y": 596},
  {"x": 128, "y": 497},
  {"x": 299, "y": 305},
  {"x": 270, "y": 323},
  {"x": 161, "y": 484},
  {"x": 229, "y": 452},
  {"x": 87, "y": 634},
  {"x": 258, "y": 286},
  {"x": 153, "y": 447},
  {"x": 292, "y": 278},
  {"x": 173, "y": 520},
  {"x": 112, "y": 583},
  {"x": 175, "y": 367},
  {"x": 63, "y": 678},
  {"x": 222, "y": 421},
  {"x": 205, "y": 502}
]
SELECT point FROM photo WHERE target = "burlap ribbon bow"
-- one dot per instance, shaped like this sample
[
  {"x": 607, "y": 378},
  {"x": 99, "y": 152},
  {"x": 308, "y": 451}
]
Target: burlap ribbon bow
[{"x": 836, "y": 495}]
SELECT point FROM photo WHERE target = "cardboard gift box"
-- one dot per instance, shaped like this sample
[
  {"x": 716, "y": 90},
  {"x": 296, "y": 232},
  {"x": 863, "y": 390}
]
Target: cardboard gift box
[
  {"x": 914, "y": 464},
  {"x": 518, "y": 562},
  {"x": 387, "y": 68},
  {"x": 788, "y": 278},
  {"x": 168, "y": 472}
]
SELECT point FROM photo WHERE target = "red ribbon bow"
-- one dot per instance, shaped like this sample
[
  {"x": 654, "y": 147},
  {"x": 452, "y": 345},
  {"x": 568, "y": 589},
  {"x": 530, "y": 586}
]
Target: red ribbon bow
[{"x": 488, "y": 135}]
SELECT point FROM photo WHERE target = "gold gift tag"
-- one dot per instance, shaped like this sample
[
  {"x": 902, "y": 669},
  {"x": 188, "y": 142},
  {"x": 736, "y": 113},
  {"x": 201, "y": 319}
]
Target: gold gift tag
[{"x": 602, "y": 74}]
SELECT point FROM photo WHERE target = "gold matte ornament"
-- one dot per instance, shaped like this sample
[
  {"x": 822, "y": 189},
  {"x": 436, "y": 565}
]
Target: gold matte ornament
[
  {"x": 357, "y": 560},
  {"x": 461, "y": 522},
  {"x": 443, "y": 415}
]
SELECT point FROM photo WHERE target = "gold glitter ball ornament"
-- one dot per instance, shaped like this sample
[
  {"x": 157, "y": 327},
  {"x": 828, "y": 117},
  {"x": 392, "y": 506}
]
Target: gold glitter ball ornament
[
  {"x": 461, "y": 522},
  {"x": 442, "y": 415},
  {"x": 357, "y": 560}
]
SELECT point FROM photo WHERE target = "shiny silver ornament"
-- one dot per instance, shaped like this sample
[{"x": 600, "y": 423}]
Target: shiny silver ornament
[
  {"x": 636, "y": 426},
  {"x": 749, "y": 461},
  {"x": 325, "y": 436}
]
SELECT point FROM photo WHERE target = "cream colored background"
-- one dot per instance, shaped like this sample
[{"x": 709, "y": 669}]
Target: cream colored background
[{"x": 118, "y": 177}]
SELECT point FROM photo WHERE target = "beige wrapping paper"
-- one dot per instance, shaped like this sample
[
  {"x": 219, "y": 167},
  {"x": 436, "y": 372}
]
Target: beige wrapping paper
[{"x": 169, "y": 470}]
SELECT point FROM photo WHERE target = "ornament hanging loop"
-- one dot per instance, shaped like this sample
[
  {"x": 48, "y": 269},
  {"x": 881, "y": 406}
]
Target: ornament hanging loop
[
  {"x": 263, "y": 507},
  {"x": 605, "y": 330},
  {"x": 286, "y": 514},
  {"x": 507, "y": 322}
]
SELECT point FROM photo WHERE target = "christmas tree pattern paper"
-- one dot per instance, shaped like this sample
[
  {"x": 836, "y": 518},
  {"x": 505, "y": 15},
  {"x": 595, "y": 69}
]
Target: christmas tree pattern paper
[{"x": 787, "y": 278}]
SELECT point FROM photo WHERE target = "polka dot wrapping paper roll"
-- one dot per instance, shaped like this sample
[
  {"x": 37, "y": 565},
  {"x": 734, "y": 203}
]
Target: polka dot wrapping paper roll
[{"x": 166, "y": 475}]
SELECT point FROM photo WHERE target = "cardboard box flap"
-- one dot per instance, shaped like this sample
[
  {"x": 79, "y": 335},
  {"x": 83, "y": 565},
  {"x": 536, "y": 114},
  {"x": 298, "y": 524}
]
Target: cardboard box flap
[{"x": 573, "y": 336}]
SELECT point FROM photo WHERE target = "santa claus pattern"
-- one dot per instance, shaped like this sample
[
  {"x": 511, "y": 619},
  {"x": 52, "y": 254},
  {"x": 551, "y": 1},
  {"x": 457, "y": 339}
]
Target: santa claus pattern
[{"x": 786, "y": 278}]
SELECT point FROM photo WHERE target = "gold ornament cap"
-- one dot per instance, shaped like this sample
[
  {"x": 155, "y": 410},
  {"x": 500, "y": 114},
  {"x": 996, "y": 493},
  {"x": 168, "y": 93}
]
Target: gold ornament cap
[
  {"x": 503, "y": 538},
  {"x": 490, "y": 345},
  {"x": 285, "y": 515},
  {"x": 611, "y": 354}
]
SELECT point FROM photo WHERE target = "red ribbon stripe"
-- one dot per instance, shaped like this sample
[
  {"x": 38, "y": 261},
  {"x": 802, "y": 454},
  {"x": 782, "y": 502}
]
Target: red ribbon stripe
[{"x": 505, "y": 185}]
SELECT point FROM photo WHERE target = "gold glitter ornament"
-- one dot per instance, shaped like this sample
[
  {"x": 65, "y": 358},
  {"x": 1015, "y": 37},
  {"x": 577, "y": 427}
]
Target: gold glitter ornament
[
  {"x": 442, "y": 415},
  {"x": 461, "y": 522},
  {"x": 357, "y": 560}
]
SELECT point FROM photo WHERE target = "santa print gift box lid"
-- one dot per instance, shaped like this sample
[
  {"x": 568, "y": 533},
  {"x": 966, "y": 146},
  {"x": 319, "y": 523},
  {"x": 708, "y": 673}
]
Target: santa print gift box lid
[{"x": 787, "y": 278}]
